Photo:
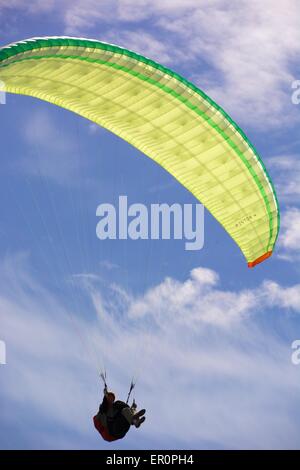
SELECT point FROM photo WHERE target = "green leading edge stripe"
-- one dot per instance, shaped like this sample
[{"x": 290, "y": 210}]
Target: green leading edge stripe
[{"x": 23, "y": 47}]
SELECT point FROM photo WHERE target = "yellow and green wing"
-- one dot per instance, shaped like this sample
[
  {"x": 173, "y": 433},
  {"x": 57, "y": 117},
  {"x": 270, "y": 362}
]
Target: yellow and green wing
[{"x": 163, "y": 115}]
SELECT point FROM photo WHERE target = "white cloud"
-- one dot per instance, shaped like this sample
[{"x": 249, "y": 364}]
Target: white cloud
[
  {"x": 289, "y": 238},
  {"x": 286, "y": 298},
  {"x": 230, "y": 49},
  {"x": 143, "y": 43},
  {"x": 286, "y": 174},
  {"x": 193, "y": 303},
  {"x": 33, "y": 7},
  {"x": 238, "y": 379},
  {"x": 237, "y": 41}
]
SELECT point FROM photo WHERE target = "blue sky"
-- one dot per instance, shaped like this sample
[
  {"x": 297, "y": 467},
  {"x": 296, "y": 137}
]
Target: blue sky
[{"x": 209, "y": 339}]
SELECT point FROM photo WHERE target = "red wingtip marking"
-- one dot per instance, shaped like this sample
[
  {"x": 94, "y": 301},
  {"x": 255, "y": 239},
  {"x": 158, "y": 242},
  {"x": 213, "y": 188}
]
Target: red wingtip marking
[{"x": 262, "y": 258}]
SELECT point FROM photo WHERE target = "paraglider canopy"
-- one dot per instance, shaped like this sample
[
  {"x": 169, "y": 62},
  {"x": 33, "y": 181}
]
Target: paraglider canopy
[{"x": 162, "y": 114}]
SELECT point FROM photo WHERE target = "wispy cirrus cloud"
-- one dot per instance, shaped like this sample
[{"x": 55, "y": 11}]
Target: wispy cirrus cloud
[
  {"x": 289, "y": 239},
  {"x": 242, "y": 386},
  {"x": 286, "y": 174},
  {"x": 246, "y": 69},
  {"x": 285, "y": 171},
  {"x": 231, "y": 50}
]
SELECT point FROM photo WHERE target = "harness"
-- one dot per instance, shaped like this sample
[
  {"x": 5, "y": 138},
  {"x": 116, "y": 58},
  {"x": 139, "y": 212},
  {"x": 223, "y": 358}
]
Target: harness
[{"x": 117, "y": 425}]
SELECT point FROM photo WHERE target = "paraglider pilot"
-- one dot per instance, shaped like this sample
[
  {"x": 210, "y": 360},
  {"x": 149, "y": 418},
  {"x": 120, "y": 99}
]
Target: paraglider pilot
[{"x": 115, "y": 418}]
